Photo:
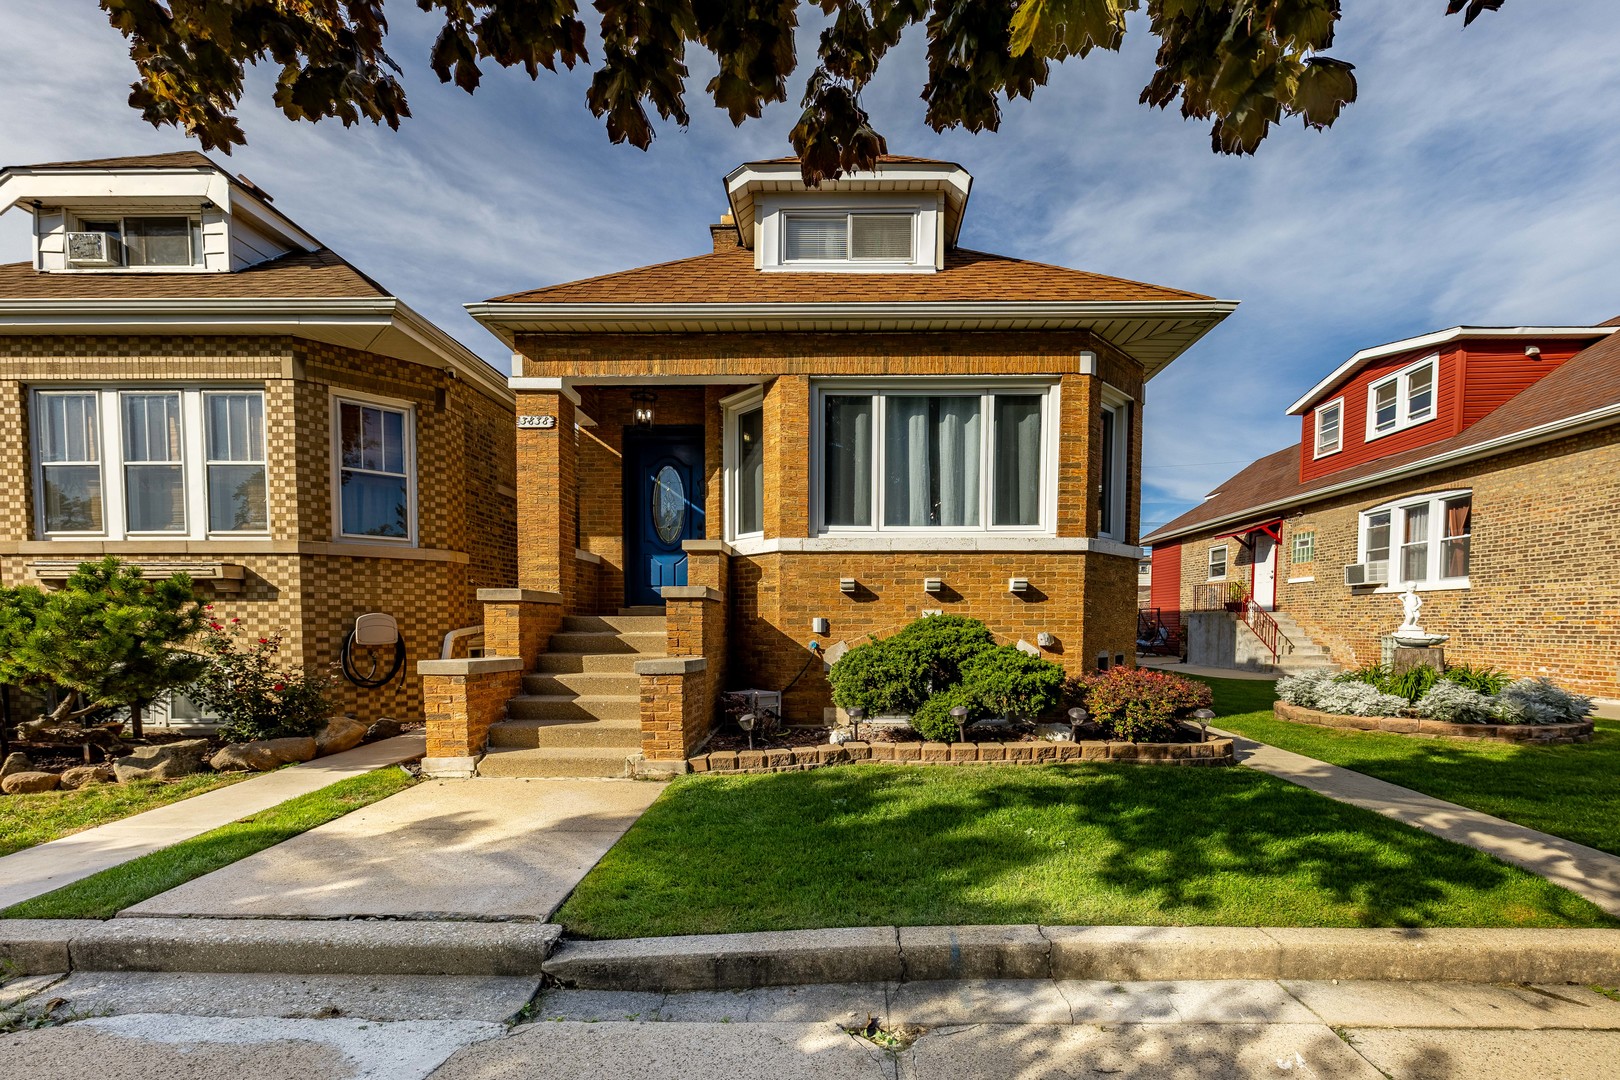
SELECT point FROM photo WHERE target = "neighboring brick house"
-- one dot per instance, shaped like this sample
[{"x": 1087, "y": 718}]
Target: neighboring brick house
[
  {"x": 735, "y": 466},
  {"x": 1481, "y": 464},
  {"x": 188, "y": 380}
]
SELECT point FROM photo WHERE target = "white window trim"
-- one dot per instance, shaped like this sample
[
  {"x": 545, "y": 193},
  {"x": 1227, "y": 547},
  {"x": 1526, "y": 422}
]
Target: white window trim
[
  {"x": 355, "y": 397},
  {"x": 1403, "y": 381},
  {"x": 937, "y": 387},
  {"x": 733, "y": 407},
  {"x": 110, "y": 443},
  {"x": 1316, "y": 440},
  {"x": 1226, "y": 562},
  {"x": 1396, "y": 508},
  {"x": 74, "y": 220},
  {"x": 1120, "y": 403},
  {"x": 848, "y": 214}
]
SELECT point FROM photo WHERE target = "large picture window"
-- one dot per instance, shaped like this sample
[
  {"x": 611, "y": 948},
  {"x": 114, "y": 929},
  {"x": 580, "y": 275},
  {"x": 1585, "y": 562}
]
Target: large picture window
[
  {"x": 959, "y": 459},
  {"x": 374, "y": 471},
  {"x": 150, "y": 462},
  {"x": 1423, "y": 540}
]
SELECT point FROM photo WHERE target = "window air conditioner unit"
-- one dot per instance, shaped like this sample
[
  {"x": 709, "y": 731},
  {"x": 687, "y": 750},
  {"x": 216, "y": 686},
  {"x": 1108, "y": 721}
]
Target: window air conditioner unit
[
  {"x": 1373, "y": 573},
  {"x": 91, "y": 249}
]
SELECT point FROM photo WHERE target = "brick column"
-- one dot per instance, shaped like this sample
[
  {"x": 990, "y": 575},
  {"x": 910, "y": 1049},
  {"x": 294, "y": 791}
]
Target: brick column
[
  {"x": 679, "y": 693},
  {"x": 547, "y": 460},
  {"x": 787, "y": 457},
  {"x": 461, "y": 699},
  {"x": 519, "y": 622}
]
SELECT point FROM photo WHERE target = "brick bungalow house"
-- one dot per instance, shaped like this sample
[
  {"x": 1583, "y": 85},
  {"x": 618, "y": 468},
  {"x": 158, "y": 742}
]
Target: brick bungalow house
[
  {"x": 733, "y": 467},
  {"x": 1480, "y": 463},
  {"x": 190, "y": 381}
]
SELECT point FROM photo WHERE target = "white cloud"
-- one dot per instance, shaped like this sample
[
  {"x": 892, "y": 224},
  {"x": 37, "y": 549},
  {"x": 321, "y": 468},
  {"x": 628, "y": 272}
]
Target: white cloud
[{"x": 1473, "y": 182}]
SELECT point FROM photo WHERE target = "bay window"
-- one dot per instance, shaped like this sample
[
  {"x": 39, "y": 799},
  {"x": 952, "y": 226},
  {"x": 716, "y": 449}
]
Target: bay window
[
  {"x": 1424, "y": 540},
  {"x": 169, "y": 465},
  {"x": 949, "y": 458},
  {"x": 375, "y": 471},
  {"x": 1402, "y": 400}
]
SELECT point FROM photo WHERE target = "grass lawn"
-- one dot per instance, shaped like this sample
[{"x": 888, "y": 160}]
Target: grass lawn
[
  {"x": 1072, "y": 844},
  {"x": 26, "y": 820},
  {"x": 102, "y": 895},
  {"x": 1570, "y": 791}
]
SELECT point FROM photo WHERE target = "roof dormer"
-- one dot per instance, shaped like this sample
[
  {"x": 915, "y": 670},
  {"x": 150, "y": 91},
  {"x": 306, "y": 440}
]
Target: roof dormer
[
  {"x": 166, "y": 213},
  {"x": 898, "y": 218}
]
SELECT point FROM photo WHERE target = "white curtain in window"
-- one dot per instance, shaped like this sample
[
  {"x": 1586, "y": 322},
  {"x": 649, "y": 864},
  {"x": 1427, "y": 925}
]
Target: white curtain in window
[
  {"x": 847, "y": 460},
  {"x": 1415, "y": 548},
  {"x": 932, "y": 460},
  {"x": 1018, "y": 460}
]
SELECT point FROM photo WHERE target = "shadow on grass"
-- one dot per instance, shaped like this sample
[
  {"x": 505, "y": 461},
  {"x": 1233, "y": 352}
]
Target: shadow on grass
[{"x": 1080, "y": 844}]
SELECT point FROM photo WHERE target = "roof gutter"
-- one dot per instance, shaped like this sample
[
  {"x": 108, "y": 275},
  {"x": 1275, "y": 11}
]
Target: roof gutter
[
  {"x": 217, "y": 315},
  {"x": 1542, "y": 433}
]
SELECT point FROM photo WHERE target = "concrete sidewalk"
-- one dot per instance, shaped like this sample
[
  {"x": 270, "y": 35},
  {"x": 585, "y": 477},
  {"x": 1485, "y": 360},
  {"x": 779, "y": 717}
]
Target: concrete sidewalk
[
  {"x": 37, "y": 870},
  {"x": 1582, "y": 870},
  {"x": 487, "y": 848}
]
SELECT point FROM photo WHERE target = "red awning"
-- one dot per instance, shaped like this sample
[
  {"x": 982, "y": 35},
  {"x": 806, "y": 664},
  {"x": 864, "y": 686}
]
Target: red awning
[{"x": 1272, "y": 528}]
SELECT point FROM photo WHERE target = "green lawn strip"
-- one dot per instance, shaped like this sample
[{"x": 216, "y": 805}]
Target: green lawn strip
[
  {"x": 26, "y": 820},
  {"x": 102, "y": 895},
  {"x": 1569, "y": 791},
  {"x": 1073, "y": 844}
]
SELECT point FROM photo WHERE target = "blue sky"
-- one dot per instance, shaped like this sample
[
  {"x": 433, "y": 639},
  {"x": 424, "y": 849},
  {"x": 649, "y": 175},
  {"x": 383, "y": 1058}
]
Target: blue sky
[{"x": 1477, "y": 181}]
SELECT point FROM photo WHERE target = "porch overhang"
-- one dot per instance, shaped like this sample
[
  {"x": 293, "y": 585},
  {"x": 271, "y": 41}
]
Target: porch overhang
[{"x": 1155, "y": 332}]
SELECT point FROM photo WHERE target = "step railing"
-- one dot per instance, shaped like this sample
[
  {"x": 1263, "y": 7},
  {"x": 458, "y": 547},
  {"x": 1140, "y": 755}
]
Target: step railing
[{"x": 1265, "y": 628}]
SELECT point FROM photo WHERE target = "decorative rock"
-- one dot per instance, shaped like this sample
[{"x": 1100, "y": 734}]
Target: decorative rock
[
  {"x": 385, "y": 727},
  {"x": 263, "y": 754},
  {"x": 27, "y": 783},
  {"x": 1054, "y": 732},
  {"x": 1025, "y": 647},
  {"x": 15, "y": 763},
  {"x": 340, "y": 733},
  {"x": 165, "y": 761},
  {"x": 85, "y": 775},
  {"x": 834, "y": 652}
]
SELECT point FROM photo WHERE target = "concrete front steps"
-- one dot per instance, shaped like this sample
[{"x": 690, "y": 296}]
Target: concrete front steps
[
  {"x": 1307, "y": 655},
  {"x": 580, "y": 710}
]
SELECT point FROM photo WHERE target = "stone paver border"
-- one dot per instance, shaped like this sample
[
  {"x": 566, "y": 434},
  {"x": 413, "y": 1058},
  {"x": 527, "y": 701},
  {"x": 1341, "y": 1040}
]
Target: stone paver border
[
  {"x": 1545, "y": 734},
  {"x": 1215, "y": 752}
]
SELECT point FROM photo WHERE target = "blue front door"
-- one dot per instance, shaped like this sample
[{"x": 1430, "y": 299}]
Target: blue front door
[{"x": 663, "y": 487}]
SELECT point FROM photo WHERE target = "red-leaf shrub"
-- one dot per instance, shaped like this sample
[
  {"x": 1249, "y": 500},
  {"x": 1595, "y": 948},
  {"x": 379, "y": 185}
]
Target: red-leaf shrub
[{"x": 1137, "y": 704}]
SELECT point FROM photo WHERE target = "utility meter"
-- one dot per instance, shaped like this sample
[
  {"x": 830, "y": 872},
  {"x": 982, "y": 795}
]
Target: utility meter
[{"x": 375, "y": 630}]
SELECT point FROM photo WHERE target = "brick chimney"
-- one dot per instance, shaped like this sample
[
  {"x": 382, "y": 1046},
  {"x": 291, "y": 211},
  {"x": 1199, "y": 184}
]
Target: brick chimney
[{"x": 724, "y": 234}]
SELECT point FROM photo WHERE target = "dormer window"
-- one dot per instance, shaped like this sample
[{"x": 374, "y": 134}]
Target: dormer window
[
  {"x": 135, "y": 242},
  {"x": 1402, "y": 400},
  {"x": 818, "y": 238}
]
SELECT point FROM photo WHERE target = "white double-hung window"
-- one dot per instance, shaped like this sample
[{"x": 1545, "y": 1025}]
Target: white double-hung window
[
  {"x": 1403, "y": 399},
  {"x": 1330, "y": 428},
  {"x": 149, "y": 463},
  {"x": 1424, "y": 540},
  {"x": 932, "y": 456},
  {"x": 744, "y": 454}
]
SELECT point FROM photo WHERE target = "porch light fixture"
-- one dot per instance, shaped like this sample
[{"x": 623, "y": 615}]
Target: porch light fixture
[
  {"x": 933, "y": 585},
  {"x": 644, "y": 400}
]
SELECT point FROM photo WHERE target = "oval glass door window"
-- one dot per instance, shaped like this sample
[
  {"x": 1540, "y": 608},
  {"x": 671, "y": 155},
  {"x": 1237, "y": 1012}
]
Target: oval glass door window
[{"x": 668, "y": 505}]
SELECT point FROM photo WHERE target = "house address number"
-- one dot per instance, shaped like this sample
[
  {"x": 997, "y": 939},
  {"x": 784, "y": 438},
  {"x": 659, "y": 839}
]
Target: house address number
[{"x": 543, "y": 422}]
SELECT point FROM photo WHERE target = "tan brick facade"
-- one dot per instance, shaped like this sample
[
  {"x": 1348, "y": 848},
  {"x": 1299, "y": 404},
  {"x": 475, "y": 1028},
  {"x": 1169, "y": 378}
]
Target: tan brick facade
[
  {"x": 1543, "y": 595},
  {"x": 300, "y": 580}
]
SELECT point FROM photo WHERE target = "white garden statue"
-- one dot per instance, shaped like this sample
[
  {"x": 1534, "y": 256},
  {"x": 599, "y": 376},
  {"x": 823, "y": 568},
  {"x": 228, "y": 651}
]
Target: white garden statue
[{"x": 1409, "y": 632}]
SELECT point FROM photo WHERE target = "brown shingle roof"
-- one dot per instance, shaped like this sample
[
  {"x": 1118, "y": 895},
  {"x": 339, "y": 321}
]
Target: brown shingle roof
[
  {"x": 1588, "y": 381},
  {"x": 730, "y": 277},
  {"x": 182, "y": 159},
  {"x": 316, "y": 274}
]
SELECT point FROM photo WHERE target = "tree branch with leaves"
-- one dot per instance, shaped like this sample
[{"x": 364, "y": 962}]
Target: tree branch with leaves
[{"x": 1242, "y": 65}]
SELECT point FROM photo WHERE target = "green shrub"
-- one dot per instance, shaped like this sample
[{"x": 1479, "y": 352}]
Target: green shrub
[
  {"x": 1139, "y": 705},
  {"x": 897, "y": 674},
  {"x": 254, "y": 696},
  {"x": 933, "y": 720},
  {"x": 1411, "y": 684},
  {"x": 1485, "y": 680},
  {"x": 1007, "y": 681}
]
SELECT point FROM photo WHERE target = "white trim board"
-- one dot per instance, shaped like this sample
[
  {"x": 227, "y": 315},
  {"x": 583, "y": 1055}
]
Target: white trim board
[{"x": 880, "y": 543}]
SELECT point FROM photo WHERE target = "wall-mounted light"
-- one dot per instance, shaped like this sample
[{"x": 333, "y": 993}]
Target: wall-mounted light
[
  {"x": 819, "y": 626},
  {"x": 1017, "y": 584},
  {"x": 1046, "y": 639},
  {"x": 643, "y": 400},
  {"x": 846, "y": 584},
  {"x": 933, "y": 585},
  {"x": 1533, "y": 352}
]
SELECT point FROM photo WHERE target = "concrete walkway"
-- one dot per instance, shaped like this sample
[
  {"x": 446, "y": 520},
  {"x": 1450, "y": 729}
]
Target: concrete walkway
[
  {"x": 37, "y": 870},
  {"x": 201, "y": 1027},
  {"x": 490, "y": 848},
  {"x": 1582, "y": 870}
]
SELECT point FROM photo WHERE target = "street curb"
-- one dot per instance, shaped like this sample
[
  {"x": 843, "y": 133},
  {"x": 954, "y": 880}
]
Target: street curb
[
  {"x": 276, "y": 946},
  {"x": 1112, "y": 953}
]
